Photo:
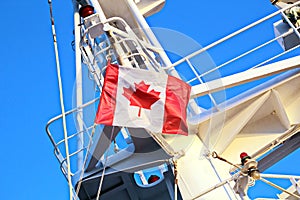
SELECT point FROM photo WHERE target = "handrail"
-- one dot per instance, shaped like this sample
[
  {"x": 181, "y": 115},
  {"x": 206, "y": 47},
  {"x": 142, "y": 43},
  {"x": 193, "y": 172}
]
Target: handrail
[
  {"x": 230, "y": 36},
  {"x": 60, "y": 116}
]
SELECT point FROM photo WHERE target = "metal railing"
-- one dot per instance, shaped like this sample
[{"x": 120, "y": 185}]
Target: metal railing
[
  {"x": 57, "y": 142},
  {"x": 200, "y": 76}
]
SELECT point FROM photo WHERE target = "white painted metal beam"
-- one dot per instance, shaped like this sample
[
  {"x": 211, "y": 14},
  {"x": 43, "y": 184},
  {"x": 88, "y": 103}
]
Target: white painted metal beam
[{"x": 244, "y": 77}]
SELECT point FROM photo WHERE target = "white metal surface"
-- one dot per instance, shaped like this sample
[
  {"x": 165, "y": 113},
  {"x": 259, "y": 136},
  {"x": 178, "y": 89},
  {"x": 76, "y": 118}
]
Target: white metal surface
[
  {"x": 79, "y": 84},
  {"x": 244, "y": 77}
]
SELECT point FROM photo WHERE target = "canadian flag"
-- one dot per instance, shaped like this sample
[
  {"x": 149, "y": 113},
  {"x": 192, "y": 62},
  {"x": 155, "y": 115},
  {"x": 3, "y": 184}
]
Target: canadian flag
[{"x": 140, "y": 98}]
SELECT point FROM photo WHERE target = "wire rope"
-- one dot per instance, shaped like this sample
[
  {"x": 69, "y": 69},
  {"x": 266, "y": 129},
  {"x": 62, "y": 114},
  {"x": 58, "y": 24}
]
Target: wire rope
[
  {"x": 61, "y": 101},
  {"x": 104, "y": 167}
]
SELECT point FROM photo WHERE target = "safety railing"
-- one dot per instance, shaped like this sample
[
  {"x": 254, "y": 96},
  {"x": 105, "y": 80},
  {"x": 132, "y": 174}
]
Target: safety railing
[
  {"x": 123, "y": 46},
  {"x": 58, "y": 141},
  {"x": 263, "y": 53},
  {"x": 89, "y": 133}
]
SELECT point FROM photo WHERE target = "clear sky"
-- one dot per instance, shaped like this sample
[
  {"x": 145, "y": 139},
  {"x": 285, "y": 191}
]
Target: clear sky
[{"x": 29, "y": 90}]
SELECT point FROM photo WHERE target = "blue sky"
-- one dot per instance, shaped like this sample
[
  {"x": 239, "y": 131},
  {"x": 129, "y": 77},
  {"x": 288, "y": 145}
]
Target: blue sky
[{"x": 29, "y": 90}]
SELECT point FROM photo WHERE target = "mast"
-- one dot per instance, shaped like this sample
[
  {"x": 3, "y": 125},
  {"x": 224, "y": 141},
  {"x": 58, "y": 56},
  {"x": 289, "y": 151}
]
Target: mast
[{"x": 79, "y": 83}]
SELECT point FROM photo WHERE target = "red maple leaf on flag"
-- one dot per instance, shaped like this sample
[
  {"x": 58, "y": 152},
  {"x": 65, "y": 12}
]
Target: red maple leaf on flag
[{"x": 140, "y": 97}]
